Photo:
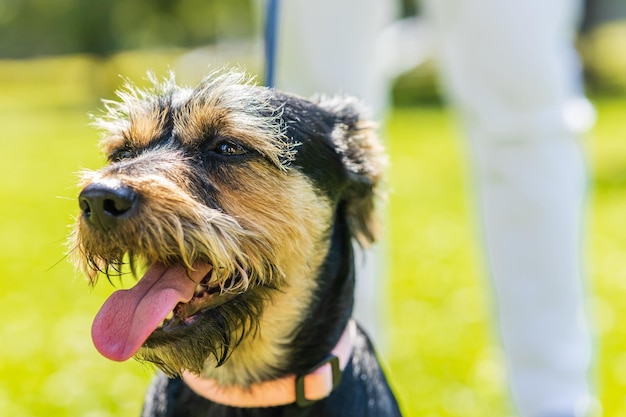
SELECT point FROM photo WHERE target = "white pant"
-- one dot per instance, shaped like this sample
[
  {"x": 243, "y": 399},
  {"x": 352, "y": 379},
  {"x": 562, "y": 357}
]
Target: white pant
[
  {"x": 510, "y": 70},
  {"x": 320, "y": 51}
]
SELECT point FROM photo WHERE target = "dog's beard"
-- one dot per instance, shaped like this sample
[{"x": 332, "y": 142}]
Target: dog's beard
[
  {"x": 210, "y": 339},
  {"x": 171, "y": 318}
]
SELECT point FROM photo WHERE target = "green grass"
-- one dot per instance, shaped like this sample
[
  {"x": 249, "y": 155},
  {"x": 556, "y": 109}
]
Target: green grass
[{"x": 442, "y": 354}]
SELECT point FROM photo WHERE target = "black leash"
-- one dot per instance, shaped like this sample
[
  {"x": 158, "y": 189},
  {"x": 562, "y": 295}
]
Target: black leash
[{"x": 271, "y": 39}]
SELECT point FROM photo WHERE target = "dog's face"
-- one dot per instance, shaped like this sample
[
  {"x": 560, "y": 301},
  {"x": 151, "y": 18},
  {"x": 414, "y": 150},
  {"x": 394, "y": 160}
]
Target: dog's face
[{"x": 227, "y": 195}]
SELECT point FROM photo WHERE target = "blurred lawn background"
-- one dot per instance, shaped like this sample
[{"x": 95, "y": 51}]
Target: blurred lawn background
[{"x": 442, "y": 353}]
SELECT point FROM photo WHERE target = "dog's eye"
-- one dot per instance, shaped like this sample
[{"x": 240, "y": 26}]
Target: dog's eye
[
  {"x": 230, "y": 149},
  {"x": 121, "y": 154}
]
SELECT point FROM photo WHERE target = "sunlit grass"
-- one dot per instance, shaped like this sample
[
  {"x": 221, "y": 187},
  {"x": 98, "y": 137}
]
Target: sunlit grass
[{"x": 442, "y": 356}]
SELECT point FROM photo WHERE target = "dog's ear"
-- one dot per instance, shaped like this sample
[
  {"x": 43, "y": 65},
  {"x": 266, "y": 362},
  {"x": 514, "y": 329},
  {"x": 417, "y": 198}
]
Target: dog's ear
[{"x": 356, "y": 141}]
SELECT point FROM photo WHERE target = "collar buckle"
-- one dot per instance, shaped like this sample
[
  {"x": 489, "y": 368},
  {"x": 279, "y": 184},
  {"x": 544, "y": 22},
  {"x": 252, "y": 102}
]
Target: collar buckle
[{"x": 331, "y": 360}]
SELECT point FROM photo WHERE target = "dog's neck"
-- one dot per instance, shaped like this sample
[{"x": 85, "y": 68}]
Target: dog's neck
[
  {"x": 331, "y": 306},
  {"x": 323, "y": 331},
  {"x": 302, "y": 389}
]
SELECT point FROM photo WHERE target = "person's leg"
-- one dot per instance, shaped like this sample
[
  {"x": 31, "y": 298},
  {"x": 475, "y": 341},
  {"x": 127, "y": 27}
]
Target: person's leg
[
  {"x": 330, "y": 47},
  {"x": 511, "y": 71}
]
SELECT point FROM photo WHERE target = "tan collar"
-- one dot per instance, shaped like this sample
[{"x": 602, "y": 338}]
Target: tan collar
[{"x": 300, "y": 389}]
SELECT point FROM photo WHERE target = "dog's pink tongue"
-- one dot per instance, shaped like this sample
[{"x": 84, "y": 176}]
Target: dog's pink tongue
[{"x": 129, "y": 316}]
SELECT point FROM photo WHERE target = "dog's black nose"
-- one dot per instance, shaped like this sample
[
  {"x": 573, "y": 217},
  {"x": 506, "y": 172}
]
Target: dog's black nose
[{"x": 104, "y": 205}]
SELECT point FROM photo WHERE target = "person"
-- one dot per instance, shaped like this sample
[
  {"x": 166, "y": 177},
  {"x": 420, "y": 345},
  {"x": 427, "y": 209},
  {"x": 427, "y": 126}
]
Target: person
[{"x": 510, "y": 70}]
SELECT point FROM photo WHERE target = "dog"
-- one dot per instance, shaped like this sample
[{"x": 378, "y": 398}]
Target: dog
[{"x": 239, "y": 204}]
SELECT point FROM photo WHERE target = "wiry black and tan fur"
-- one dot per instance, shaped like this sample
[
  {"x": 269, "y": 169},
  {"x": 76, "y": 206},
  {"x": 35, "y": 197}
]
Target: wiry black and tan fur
[{"x": 269, "y": 189}]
